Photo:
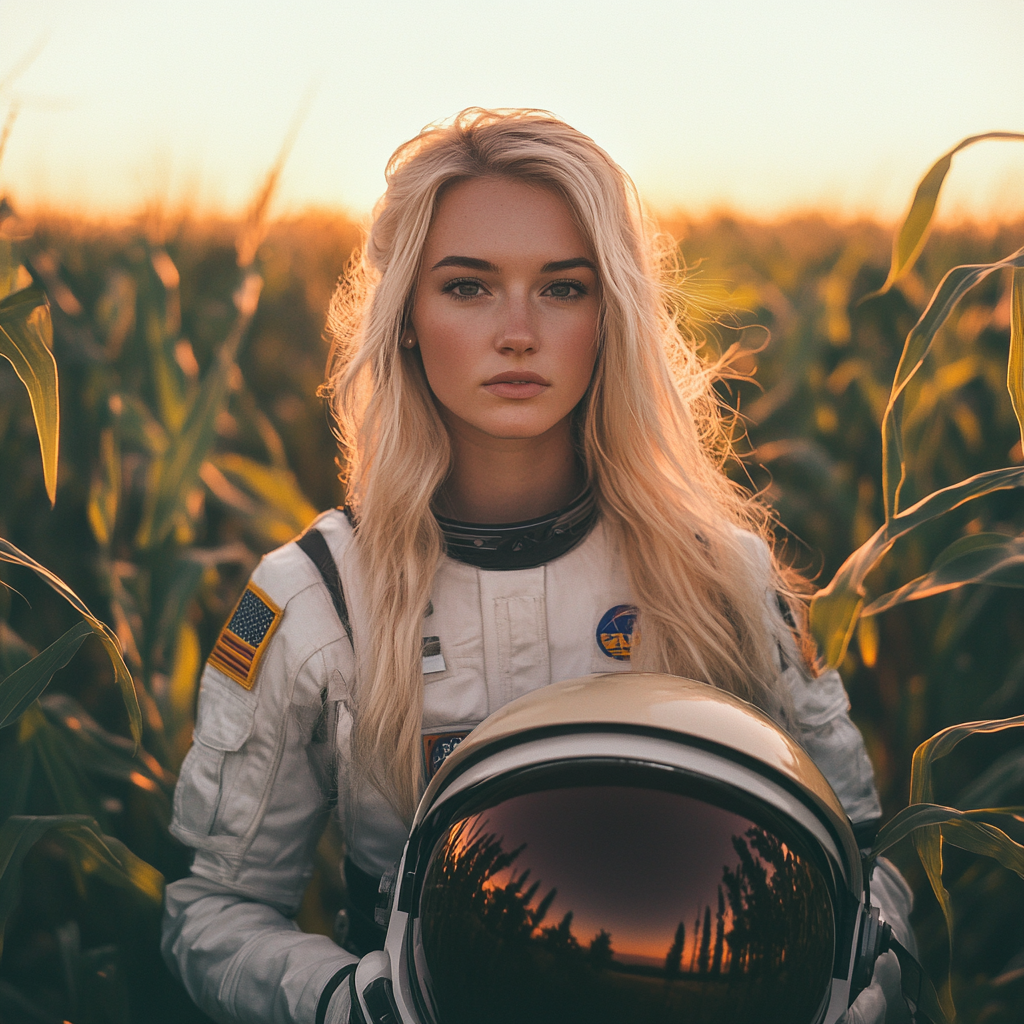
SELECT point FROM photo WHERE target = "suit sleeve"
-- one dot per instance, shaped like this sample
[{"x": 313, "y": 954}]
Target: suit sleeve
[{"x": 251, "y": 801}]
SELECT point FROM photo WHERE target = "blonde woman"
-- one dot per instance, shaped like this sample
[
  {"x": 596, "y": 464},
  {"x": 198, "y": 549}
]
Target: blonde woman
[{"x": 535, "y": 492}]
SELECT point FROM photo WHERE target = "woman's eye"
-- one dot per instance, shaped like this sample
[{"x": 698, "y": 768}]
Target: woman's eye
[
  {"x": 566, "y": 290},
  {"x": 464, "y": 289}
]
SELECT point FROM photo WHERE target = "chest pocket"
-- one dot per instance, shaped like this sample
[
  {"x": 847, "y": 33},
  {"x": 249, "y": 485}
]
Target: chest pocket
[
  {"x": 521, "y": 633},
  {"x": 224, "y": 725}
]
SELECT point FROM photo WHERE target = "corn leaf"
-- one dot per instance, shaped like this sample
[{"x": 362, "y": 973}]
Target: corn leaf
[
  {"x": 280, "y": 509},
  {"x": 138, "y": 428},
  {"x": 95, "y": 854},
  {"x": 15, "y": 556},
  {"x": 1001, "y": 781},
  {"x": 928, "y": 840},
  {"x": 22, "y": 686},
  {"x": 99, "y": 753},
  {"x": 951, "y": 290},
  {"x": 160, "y": 320},
  {"x": 1015, "y": 366},
  {"x": 944, "y": 741},
  {"x": 959, "y": 828},
  {"x": 981, "y": 558},
  {"x": 835, "y": 608},
  {"x": 254, "y": 229},
  {"x": 177, "y": 472},
  {"x": 9, "y": 266},
  {"x": 26, "y": 337},
  {"x": 913, "y": 233},
  {"x": 105, "y": 489}
]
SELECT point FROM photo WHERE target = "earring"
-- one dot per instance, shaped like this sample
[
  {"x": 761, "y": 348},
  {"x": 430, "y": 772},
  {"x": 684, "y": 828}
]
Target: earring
[{"x": 409, "y": 341}]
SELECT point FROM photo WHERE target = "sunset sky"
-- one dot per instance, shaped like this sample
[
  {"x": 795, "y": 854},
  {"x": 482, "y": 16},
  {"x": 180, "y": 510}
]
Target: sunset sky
[{"x": 764, "y": 108}]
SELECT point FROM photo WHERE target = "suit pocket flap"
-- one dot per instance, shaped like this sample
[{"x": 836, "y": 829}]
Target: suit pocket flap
[{"x": 224, "y": 722}]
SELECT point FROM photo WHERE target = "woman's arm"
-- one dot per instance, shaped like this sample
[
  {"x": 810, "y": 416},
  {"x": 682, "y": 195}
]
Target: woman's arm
[{"x": 251, "y": 801}]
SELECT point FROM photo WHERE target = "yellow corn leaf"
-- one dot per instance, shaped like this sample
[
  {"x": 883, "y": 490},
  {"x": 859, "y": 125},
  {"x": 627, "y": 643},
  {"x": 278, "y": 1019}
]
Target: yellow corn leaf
[
  {"x": 913, "y": 233},
  {"x": 979, "y": 558},
  {"x": 26, "y": 336},
  {"x": 280, "y": 509},
  {"x": 12, "y": 554},
  {"x": 836, "y": 607},
  {"x": 1015, "y": 366},
  {"x": 9, "y": 266},
  {"x": 255, "y": 227},
  {"x": 867, "y": 640},
  {"x": 950, "y": 291},
  {"x": 105, "y": 489}
]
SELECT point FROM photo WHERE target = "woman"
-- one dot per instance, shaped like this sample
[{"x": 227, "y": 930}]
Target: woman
[{"x": 506, "y": 351}]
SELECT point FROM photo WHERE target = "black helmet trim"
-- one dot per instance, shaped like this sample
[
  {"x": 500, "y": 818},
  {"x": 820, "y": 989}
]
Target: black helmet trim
[{"x": 841, "y": 838}]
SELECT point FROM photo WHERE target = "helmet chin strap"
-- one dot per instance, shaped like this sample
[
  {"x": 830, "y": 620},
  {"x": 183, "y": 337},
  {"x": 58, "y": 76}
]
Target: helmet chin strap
[
  {"x": 876, "y": 938},
  {"x": 917, "y": 986}
]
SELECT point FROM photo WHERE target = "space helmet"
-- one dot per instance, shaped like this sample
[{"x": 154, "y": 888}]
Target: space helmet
[{"x": 624, "y": 848}]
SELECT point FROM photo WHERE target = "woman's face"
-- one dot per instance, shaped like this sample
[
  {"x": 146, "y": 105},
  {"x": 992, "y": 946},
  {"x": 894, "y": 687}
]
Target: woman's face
[{"x": 506, "y": 309}]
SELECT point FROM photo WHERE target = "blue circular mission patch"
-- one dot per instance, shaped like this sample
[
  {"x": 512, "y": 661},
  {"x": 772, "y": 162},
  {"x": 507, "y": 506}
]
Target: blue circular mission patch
[{"x": 615, "y": 631}]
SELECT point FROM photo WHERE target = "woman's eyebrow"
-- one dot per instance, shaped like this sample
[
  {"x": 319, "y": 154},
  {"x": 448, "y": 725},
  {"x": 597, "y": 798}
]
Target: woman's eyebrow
[
  {"x": 469, "y": 262},
  {"x": 578, "y": 261},
  {"x": 472, "y": 263}
]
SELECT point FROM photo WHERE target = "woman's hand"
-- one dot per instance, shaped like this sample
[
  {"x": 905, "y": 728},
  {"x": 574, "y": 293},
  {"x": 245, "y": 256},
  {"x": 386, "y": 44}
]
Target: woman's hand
[{"x": 882, "y": 1001}]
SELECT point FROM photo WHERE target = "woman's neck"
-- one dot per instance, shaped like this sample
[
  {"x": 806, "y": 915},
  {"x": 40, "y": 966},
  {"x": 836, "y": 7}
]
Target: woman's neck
[{"x": 509, "y": 480}]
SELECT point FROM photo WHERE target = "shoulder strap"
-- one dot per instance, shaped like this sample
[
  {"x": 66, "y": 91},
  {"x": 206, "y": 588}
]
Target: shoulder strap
[{"x": 315, "y": 548}]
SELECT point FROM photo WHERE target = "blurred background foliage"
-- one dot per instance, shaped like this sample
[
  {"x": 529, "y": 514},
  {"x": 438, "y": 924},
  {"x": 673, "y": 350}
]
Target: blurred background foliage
[{"x": 192, "y": 443}]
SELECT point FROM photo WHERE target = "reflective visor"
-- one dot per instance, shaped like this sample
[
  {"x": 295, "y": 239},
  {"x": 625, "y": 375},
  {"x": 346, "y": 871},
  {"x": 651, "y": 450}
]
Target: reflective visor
[{"x": 672, "y": 900}]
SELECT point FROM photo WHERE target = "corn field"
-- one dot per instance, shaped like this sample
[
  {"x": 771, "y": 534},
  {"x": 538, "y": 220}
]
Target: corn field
[{"x": 188, "y": 440}]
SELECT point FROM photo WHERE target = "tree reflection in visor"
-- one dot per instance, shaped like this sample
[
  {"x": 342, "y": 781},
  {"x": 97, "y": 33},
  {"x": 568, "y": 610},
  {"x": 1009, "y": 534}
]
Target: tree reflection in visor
[{"x": 615, "y": 903}]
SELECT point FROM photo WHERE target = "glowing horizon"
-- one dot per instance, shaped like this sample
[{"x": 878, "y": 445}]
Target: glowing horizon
[{"x": 762, "y": 111}]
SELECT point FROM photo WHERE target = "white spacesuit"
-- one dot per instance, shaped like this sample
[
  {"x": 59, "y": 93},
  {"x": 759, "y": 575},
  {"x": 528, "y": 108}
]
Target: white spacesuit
[{"x": 272, "y": 748}]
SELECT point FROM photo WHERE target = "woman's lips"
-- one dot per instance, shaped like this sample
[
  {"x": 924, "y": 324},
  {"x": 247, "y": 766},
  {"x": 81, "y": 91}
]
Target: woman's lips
[{"x": 516, "y": 384}]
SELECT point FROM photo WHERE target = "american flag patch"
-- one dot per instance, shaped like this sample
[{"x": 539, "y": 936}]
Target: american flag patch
[{"x": 239, "y": 647}]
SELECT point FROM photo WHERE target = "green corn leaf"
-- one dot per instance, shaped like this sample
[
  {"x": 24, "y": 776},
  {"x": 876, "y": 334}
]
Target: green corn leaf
[
  {"x": 959, "y": 828},
  {"x": 138, "y": 428},
  {"x": 913, "y": 233},
  {"x": 95, "y": 854},
  {"x": 160, "y": 320},
  {"x": 835, "y": 608},
  {"x": 177, "y": 472},
  {"x": 12, "y": 554},
  {"x": 1015, "y": 366},
  {"x": 26, "y": 337},
  {"x": 1000, "y": 781},
  {"x": 951, "y": 290},
  {"x": 981, "y": 558},
  {"x": 24, "y": 685},
  {"x": 932, "y": 824},
  {"x": 71, "y": 791},
  {"x": 944, "y": 741},
  {"x": 14, "y": 651},
  {"x": 929, "y": 839},
  {"x": 101, "y": 754}
]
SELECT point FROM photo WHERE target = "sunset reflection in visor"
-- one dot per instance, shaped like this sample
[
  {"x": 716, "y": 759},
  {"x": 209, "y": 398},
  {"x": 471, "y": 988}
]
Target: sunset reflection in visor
[{"x": 618, "y": 903}]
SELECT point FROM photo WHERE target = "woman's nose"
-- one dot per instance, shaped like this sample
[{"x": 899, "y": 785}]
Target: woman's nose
[{"x": 518, "y": 334}]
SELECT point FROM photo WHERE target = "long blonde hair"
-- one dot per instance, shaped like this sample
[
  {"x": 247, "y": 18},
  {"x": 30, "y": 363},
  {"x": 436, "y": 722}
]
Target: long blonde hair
[{"x": 649, "y": 432}]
